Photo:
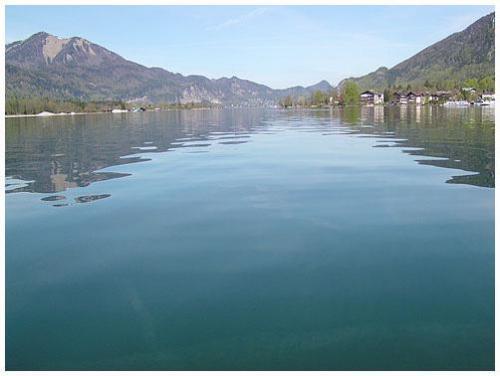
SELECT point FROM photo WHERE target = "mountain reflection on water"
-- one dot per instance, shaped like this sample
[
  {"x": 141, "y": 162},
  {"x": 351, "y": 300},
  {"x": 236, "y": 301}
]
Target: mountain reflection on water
[{"x": 48, "y": 155}]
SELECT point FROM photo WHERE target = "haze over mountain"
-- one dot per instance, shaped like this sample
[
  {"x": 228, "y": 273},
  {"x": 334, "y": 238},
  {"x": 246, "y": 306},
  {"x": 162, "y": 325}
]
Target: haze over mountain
[
  {"x": 75, "y": 68},
  {"x": 46, "y": 65},
  {"x": 468, "y": 54}
]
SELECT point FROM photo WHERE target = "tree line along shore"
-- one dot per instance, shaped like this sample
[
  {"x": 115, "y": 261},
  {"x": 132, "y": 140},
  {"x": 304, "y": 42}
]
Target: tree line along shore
[
  {"x": 43, "y": 105},
  {"x": 349, "y": 94}
]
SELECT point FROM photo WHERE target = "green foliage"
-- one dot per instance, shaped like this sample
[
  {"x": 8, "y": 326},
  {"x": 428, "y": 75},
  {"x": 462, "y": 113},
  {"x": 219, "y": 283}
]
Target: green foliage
[
  {"x": 286, "y": 102},
  {"x": 462, "y": 59},
  {"x": 350, "y": 93},
  {"x": 388, "y": 94},
  {"x": 319, "y": 98},
  {"x": 471, "y": 82},
  {"x": 17, "y": 105},
  {"x": 487, "y": 84}
]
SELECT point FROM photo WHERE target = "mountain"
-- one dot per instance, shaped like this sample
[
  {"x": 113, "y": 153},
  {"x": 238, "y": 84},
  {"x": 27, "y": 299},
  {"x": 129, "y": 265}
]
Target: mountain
[
  {"x": 300, "y": 91},
  {"x": 468, "y": 54},
  {"x": 74, "y": 68}
]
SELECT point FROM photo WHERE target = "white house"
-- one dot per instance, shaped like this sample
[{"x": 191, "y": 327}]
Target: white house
[
  {"x": 488, "y": 97},
  {"x": 371, "y": 97}
]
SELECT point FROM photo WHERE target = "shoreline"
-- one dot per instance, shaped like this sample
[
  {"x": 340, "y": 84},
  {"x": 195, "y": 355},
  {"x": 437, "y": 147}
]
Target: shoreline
[
  {"x": 201, "y": 108},
  {"x": 97, "y": 113},
  {"x": 52, "y": 115}
]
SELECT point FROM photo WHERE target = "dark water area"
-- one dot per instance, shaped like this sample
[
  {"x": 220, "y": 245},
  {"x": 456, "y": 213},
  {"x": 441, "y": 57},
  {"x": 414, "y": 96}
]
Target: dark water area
[{"x": 346, "y": 239}]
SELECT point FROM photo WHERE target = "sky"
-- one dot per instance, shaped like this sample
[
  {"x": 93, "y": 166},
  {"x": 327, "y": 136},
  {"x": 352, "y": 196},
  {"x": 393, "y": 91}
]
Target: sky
[{"x": 279, "y": 46}]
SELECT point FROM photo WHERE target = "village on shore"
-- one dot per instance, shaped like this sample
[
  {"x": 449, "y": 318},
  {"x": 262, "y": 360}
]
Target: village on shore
[
  {"x": 348, "y": 95},
  {"x": 442, "y": 97}
]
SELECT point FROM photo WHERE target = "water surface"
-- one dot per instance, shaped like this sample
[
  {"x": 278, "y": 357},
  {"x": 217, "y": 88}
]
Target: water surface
[{"x": 251, "y": 239}]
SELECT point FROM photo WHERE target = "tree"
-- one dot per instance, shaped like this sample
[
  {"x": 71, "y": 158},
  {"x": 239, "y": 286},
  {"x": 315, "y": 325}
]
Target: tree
[
  {"x": 387, "y": 95},
  {"x": 350, "y": 93},
  {"x": 302, "y": 101},
  {"x": 487, "y": 84},
  {"x": 471, "y": 82},
  {"x": 319, "y": 97},
  {"x": 286, "y": 102}
]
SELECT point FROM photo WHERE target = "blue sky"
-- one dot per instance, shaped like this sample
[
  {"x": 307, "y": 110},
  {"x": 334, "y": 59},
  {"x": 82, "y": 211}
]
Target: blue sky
[{"x": 279, "y": 46}]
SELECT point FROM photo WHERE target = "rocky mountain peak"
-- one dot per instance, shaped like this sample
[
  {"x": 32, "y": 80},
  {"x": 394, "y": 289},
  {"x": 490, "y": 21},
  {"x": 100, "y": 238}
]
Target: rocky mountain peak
[{"x": 46, "y": 49}]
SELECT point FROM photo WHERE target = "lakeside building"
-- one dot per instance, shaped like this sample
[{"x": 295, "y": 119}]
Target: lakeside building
[
  {"x": 432, "y": 97},
  {"x": 486, "y": 99},
  {"x": 415, "y": 98},
  {"x": 400, "y": 98},
  {"x": 470, "y": 90},
  {"x": 371, "y": 97},
  {"x": 444, "y": 95},
  {"x": 490, "y": 97},
  {"x": 420, "y": 98}
]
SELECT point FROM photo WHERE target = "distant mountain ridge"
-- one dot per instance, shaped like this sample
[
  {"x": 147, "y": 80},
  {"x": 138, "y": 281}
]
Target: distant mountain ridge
[
  {"x": 468, "y": 54},
  {"x": 74, "y": 68},
  {"x": 46, "y": 65}
]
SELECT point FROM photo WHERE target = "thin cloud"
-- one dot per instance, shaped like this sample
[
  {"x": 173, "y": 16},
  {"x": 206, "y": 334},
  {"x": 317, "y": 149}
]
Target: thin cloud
[{"x": 238, "y": 20}]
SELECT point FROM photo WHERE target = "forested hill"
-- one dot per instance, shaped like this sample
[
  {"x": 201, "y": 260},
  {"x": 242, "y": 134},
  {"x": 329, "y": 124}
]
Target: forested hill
[
  {"x": 75, "y": 68},
  {"x": 466, "y": 55}
]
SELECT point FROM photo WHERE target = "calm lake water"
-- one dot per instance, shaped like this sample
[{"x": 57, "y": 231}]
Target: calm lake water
[{"x": 251, "y": 239}]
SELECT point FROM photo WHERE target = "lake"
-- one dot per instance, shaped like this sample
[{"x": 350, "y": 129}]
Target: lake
[{"x": 251, "y": 239}]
